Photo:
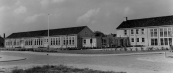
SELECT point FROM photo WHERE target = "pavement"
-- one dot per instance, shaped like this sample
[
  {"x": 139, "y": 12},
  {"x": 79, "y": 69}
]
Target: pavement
[
  {"x": 139, "y": 63},
  {"x": 5, "y": 58}
]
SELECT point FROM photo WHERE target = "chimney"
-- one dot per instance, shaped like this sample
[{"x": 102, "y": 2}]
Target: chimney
[
  {"x": 125, "y": 18},
  {"x": 4, "y": 35}
]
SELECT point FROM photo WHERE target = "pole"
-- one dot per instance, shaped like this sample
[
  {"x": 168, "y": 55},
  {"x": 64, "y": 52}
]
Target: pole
[{"x": 48, "y": 32}]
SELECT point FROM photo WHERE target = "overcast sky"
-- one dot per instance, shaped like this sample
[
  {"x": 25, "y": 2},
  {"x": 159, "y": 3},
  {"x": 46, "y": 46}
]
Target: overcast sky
[{"x": 99, "y": 15}]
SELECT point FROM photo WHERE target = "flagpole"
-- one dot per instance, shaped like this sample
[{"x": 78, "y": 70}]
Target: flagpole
[{"x": 48, "y": 32}]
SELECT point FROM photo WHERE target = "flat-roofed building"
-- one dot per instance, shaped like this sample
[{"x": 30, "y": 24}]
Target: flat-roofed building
[{"x": 58, "y": 38}]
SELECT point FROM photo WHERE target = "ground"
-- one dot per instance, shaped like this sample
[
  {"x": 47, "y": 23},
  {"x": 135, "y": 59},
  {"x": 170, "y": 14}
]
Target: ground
[{"x": 141, "y": 63}]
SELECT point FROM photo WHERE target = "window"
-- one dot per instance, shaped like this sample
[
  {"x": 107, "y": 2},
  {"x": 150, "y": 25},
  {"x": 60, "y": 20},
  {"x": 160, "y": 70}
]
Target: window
[
  {"x": 14, "y": 42},
  {"x": 31, "y": 42},
  {"x": 69, "y": 40},
  {"x": 84, "y": 41},
  {"x": 153, "y": 32},
  {"x": 169, "y": 32},
  {"x": 56, "y": 41},
  {"x": 25, "y": 42},
  {"x": 125, "y": 32},
  {"x": 64, "y": 41},
  {"x": 162, "y": 41},
  {"x": 39, "y": 41},
  {"x": 51, "y": 41},
  {"x": 143, "y": 39},
  {"x": 142, "y": 31},
  {"x": 35, "y": 42},
  {"x": 137, "y": 39},
  {"x": 73, "y": 40},
  {"x": 91, "y": 40},
  {"x": 166, "y": 41},
  {"x": 137, "y": 31},
  {"x": 161, "y": 32},
  {"x": 170, "y": 41},
  {"x": 132, "y": 39},
  {"x": 154, "y": 41},
  {"x": 132, "y": 31},
  {"x": 45, "y": 40},
  {"x": 165, "y": 32}
]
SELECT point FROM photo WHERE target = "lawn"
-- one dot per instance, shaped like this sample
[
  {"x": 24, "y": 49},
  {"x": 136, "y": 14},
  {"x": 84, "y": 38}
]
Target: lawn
[
  {"x": 59, "y": 69},
  {"x": 103, "y": 51}
]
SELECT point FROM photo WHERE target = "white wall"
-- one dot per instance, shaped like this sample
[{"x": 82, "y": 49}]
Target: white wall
[
  {"x": 88, "y": 44},
  {"x": 44, "y": 43},
  {"x": 120, "y": 33},
  {"x": 146, "y": 35}
]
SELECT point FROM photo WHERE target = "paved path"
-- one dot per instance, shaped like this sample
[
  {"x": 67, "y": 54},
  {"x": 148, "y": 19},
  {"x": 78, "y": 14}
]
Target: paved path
[
  {"x": 5, "y": 58},
  {"x": 150, "y": 62}
]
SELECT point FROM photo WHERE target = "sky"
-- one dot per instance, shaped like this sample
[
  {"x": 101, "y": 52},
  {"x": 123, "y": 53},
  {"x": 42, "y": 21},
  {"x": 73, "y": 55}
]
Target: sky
[{"x": 98, "y": 15}]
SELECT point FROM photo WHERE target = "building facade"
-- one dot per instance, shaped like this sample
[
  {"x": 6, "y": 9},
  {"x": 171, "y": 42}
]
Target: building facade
[
  {"x": 59, "y": 38},
  {"x": 154, "y": 32}
]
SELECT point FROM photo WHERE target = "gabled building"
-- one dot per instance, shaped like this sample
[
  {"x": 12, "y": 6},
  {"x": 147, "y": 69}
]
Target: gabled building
[
  {"x": 154, "y": 31},
  {"x": 58, "y": 38}
]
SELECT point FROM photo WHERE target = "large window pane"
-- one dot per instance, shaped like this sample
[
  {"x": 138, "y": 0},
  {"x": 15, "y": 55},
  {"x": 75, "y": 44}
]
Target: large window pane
[
  {"x": 169, "y": 32},
  {"x": 125, "y": 32},
  {"x": 152, "y": 41},
  {"x": 156, "y": 42},
  {"x": 155, "y": 32},
  {"x": 170, "y": 41},
  {"x": 151, "y": 30},
  {"x": 162, "y": 42},
  {"x": 142, "y": 31},
  {"x": 132, "y": 31},
  {"x": 165, "y": 32},
  {"x": 161, "y": 32},
  {"x": 137, "y": 31},
  {"x": 166, "y": 41}
]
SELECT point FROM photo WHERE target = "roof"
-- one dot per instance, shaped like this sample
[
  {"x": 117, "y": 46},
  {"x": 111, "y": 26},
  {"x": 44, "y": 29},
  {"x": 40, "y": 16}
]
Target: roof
[
  {"x": 60, "y": 31},
  {"x": 154, "y": 21}
]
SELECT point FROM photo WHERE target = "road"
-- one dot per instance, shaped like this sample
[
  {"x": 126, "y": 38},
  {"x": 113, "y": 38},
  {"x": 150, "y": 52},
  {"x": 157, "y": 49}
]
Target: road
[{"x": 149, "y": 63}]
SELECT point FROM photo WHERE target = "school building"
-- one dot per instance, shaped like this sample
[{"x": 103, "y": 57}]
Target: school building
[
  {"x": 71, "y": 37},
  {"x": 152, "y": 32}
]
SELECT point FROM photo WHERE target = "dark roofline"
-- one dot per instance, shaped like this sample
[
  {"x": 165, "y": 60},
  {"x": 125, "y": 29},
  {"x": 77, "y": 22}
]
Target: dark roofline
[
  {"x": 150, "y": 17},
  {"x": 50, "y": 29},
  {"x": 132, "y": 23},
  {"x": 40, "y": 33}
]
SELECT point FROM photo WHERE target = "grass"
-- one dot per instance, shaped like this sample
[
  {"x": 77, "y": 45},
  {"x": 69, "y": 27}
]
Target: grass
[
  {"x": 59, "y": 69},
  {"x": 102, "y": 51}
]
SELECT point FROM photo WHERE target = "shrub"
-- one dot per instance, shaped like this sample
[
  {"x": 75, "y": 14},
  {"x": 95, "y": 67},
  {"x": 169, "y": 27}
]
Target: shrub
[
  {"x": 142, "y": 48},
  {"x": 136, "y": 49},
  {"x": 59, "y": 69}
]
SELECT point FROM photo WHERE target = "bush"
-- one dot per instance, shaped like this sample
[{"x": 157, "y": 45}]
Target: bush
[
  {"x": 59, "y": 69},
  {"x": 142, "y": 48}
]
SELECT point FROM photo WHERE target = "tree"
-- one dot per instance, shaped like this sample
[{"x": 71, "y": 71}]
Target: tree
[{"x": 99, "y": 34}]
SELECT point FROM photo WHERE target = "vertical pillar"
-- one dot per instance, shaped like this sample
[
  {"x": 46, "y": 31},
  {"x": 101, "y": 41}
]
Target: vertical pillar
[{"x": 159, "y": 37}]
